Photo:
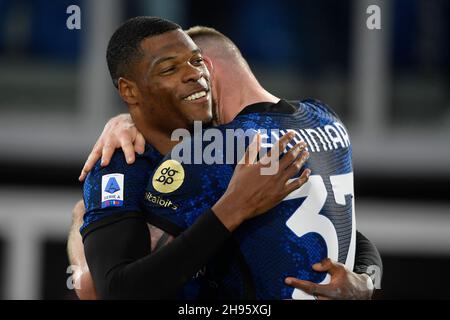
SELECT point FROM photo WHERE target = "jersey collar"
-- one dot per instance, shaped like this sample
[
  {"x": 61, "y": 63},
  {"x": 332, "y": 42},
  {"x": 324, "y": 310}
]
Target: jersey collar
[{"x": 269, "y": 107}]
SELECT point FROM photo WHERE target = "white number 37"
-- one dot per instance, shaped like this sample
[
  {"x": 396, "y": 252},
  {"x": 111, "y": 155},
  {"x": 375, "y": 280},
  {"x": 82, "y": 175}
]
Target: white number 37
[{"x": 307, "y": 218}]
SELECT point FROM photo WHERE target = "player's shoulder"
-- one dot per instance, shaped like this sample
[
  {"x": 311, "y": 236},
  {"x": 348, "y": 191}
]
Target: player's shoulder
[
  {"x": 183, "y": 157},
  {"x": 117, "y": 188},
  {"x": 118, "y": 163},
  {"x": 191, "y": 164},
  {"x": 117, "y": 167},
  {"x": 318, "y": 106},
  {"x": 117, "y": 175},
  {"x": 114, "y": 178}
]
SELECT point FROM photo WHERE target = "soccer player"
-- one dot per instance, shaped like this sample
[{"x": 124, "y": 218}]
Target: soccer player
[
  {"x": 223, "y": 97},
  {"x": 116, "y": 237}
]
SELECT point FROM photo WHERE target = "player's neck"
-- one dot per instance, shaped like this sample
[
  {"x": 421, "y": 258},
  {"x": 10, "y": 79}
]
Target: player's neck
[
  {"x": 158, "y": 139},
  {"x": 258, "y": 94},
  {"x": 153, "y": 131},
  {"x": 244, "y": 93}
]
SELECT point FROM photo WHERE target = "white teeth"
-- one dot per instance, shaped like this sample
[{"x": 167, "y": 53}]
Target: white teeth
[{"x": 196, "y": 96}]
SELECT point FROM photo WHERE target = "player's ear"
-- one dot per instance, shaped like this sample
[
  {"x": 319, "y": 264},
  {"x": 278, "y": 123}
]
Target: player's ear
[
  {"x": 209, "y": 65},
  {"x": 128, "y": 90}
]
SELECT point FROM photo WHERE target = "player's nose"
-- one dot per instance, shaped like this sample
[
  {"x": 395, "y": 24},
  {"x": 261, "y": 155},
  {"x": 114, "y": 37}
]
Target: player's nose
[{"x": 192, "y": 73}]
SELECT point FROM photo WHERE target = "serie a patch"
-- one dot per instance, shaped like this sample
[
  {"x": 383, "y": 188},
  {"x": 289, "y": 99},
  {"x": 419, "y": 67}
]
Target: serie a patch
[{"x": 112, "y": 190}]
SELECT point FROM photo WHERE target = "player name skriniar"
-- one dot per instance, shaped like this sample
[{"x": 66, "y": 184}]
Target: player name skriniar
[
  {"x": 329, "y": 137},
  {"x": 321, "y": 139},
  {"x": 158, "y": 200}
]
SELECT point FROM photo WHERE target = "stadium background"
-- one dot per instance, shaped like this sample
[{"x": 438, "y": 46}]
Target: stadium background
[{"x": 390, "y": 86}]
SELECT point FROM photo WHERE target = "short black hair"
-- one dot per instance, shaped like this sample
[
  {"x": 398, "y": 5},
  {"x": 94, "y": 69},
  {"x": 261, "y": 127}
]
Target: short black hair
[{"x": 124, "y": 45}]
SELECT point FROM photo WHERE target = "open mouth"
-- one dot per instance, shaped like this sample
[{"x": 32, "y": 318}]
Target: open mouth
[{"x": 196, "y": 96}]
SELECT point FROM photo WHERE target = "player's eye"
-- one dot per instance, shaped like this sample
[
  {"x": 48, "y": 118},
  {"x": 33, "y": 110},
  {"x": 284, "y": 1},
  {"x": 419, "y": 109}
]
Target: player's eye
[
  {"x": 168, "y": 70},
  {"x": 197, "y": 61}
]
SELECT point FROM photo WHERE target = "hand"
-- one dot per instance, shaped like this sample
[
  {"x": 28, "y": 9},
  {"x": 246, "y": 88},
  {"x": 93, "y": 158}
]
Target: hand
[
  {"x": 120, "y": 131},
  {"x": 250, "y": 194},
  {"x": 344, "y": 284}
]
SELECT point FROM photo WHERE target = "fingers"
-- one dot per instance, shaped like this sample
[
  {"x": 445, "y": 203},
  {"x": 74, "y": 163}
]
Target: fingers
[
  {"x": 307, "y": 286},
  {"x": 252, "y": 151},
  {"x": 107, "y": 153},
  {"x": 83, "y": 173},
  {"x": 139, "y": 144},
  {"x": 127, "y": 147},
  {"x": 324, "y": 291},
  {"x": 283, "y": 142},
  {"x": 291, "y": 161},
  {"x": 297, "y": 183},
  {"x": 279, "y": 147},
  {"x": 118, "y": 132},
  {"x": 90, "y": 162},
  {"x": 128, "y": 150},
  {"x": 327, "y": 265},
  {"x": 291, "y": 156}
]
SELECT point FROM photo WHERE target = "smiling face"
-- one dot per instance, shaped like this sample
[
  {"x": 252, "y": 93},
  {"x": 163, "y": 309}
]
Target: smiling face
[{"x": 173, "y": 82}]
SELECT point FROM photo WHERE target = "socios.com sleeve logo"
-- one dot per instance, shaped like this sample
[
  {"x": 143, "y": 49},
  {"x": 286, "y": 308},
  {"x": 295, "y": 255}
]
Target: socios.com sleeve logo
[{"x": 168, "y": 177}]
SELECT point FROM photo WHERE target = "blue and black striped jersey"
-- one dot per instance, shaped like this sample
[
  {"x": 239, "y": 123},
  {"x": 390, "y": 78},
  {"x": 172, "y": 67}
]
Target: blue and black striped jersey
[{"x": 314, "y": 222}]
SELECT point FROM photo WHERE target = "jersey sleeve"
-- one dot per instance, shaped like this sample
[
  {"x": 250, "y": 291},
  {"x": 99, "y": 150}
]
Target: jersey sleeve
[
  {"x": 113, "y": 192},
  {"x": 122, "y": 266},
  {"x": 367, "y": 258}
]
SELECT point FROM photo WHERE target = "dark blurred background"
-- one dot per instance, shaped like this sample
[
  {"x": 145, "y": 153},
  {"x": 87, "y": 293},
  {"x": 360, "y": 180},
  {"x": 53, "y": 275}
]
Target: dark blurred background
[{"x": 390, "y": 86}]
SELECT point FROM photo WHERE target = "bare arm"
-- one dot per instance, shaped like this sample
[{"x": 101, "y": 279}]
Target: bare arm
[{"x": 84, "y": 287}]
